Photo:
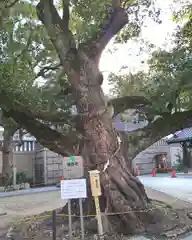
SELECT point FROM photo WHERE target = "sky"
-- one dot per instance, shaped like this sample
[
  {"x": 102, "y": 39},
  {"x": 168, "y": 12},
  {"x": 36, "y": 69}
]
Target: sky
[{"x": 126, "y": 54}]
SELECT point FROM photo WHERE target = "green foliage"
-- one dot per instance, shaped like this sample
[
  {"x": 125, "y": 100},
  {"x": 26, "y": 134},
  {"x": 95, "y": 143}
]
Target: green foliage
[
  {"x": 167, "y": 84},
  {"x": 25, "y": 50},
  {"x": 138, "y": 12},
  {"x": 128, "y": 85},
  {"x": 184, "y": 13},
  {"x": 21, "y": 177},
  {"x": 86, "y": 18},
  {"x": 131, "y": 31},
  {"x": 27, "y": 56},
  {"x": 25, "y": 47}
]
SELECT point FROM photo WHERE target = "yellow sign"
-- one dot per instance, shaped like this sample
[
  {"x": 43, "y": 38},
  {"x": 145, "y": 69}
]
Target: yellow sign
[
  {"x": 96, "y": 192},
  {"x": 95, "y": 183}
]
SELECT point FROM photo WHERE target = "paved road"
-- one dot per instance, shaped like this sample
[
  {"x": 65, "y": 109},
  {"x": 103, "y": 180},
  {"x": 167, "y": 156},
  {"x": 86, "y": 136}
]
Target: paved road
[
  {"x": 18, "y": 207},
  {"x": 179, "y": 187}
]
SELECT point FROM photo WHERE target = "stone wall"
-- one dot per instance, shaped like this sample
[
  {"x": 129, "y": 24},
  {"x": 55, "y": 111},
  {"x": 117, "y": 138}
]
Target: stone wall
[
  {"x": 53, "y": 167},
  {"x": 39, "y": 167},
  {"x": 24, "y": 162}
]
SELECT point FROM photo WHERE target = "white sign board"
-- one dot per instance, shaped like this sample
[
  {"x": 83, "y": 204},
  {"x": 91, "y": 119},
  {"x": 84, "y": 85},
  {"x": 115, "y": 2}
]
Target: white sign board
[
  {"x": 73, "y": 169},
  {"x": 73, "y": 189}
]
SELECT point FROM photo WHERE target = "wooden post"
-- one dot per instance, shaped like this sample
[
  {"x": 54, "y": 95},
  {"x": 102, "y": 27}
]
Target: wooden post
[
  {"x": 14, "y": 176},
  {"x": 99, "y": 219},
  {"x": 45, "y": 165},
  {"x": 96, "y": 192}
]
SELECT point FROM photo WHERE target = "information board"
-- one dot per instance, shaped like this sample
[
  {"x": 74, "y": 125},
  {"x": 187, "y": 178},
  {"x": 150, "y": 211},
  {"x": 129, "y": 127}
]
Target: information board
[
  {"x": 73, "y": 167},
  {"x": 73, "y": 189}
]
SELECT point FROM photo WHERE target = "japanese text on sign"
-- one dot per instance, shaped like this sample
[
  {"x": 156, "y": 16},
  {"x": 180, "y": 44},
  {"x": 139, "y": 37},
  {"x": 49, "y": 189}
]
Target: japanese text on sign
[
  {"x": 73, "y": 189},
  {"x": 95, "y": 183},
  {"x": 73, "y": 169}
]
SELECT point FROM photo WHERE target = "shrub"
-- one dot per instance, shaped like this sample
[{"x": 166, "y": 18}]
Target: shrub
[{"x": 20, "y": 178}]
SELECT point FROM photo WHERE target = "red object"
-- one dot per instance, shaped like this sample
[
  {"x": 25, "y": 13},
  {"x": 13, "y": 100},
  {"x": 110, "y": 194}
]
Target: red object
[
  {"x": 62, "y": 178},
  {"x": 153, "y": 172},
  {"x": 173, "y": 173},
  {"x": 137, "y": 172}
]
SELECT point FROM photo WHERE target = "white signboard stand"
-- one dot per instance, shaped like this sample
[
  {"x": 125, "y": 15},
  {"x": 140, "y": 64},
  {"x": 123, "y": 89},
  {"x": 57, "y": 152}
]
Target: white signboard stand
[{"x": 74, "y": 189}]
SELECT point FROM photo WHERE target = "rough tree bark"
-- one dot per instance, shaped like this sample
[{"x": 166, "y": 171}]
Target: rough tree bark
[
  {"x": 123, "y": 192},
  {"x": 6, "y": 150},
  {"x": 7, "y": 156}
]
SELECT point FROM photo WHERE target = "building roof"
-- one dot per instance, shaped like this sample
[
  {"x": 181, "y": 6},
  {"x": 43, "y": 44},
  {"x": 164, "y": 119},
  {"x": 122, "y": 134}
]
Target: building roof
[{"x": 181, "y": 136}]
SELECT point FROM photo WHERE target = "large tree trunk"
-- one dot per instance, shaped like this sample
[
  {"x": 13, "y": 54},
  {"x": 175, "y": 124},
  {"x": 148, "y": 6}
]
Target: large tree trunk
[
  {"x": 124, "y": 193},
  {"x": 7, "y": 156}
]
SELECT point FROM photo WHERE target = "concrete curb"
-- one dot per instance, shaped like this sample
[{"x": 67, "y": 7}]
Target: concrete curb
[
  {"x": 176, "y": 198},
  {"x": 27, "y": 192}
]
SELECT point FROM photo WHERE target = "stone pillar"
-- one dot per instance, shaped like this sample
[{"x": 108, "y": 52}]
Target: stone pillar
[{"x": 45, "y": 165}]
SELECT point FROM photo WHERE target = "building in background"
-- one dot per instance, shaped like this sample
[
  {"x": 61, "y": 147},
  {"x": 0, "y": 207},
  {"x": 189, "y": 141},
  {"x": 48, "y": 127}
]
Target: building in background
[
  {"x": 166, "y": 153},
  {"x": 181, "y": 148},
  {"x": 45, "y": 167}
]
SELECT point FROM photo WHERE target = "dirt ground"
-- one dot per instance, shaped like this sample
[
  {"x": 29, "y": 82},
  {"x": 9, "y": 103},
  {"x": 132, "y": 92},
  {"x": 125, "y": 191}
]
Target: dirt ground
[
  {"x": 174, "y": 225},
  {"x": 23, "y": 206}
]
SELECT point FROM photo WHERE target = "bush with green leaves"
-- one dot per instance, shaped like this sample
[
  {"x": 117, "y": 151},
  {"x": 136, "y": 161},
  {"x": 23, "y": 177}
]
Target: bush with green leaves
[{"x": 21, "y": 177}]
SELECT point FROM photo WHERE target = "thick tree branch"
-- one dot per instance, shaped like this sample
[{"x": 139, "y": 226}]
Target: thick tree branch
[
  {"x": 55, "y": 117},
  {"x": 66, "y": 13},
  {"x": 8, "y": 138},
  {"x": 60, "y": 36},
  {"x": 128, "y": 102},
  {"x": 6, "y": 100},
  {"x": 48, "y": 137},
  {"x": 143, "y": 138},
  {"x": 116, "y": 19}
]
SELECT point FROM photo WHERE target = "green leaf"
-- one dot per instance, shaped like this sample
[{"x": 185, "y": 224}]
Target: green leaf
[{"x": 72, "y": 158}]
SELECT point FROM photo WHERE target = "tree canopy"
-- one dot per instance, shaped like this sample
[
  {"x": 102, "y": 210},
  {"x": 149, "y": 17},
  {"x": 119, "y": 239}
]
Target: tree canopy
[
  {"x": 167, "y": 82},
  {"x": 26, "y": 47}
]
